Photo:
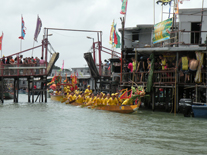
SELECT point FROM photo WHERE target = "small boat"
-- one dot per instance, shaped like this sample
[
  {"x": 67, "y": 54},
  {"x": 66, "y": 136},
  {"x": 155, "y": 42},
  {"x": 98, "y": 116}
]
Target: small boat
[
  {"x": 22, "y": 91},
  {"x": 56, "y": 97},
  {"x": 126, "y": 109},
  {"x": 8, "y": 95},
  {"x": 200, "y": 110}
]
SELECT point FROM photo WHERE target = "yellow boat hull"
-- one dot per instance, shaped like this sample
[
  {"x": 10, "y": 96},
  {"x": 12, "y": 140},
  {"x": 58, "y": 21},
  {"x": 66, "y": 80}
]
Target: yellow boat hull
[
  {"x": 119, "y": 109},
  {"x": 56, "y": 97}
]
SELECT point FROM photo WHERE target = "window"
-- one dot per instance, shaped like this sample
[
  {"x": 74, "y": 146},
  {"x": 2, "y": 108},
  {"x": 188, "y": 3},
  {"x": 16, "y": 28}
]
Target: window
[
  {"x": 135, "y": 36},
  {"x": 195, "y": 36}
]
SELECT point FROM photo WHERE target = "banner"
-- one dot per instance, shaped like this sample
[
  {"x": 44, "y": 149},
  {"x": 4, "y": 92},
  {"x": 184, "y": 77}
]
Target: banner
[
  {"x": 22, "y": 30},
  {"x": 1, "y": 38},
  {"x": 38, "y": 28},
  {"x": 124, "y": 7},
  {"x": 162, "y": 31}
]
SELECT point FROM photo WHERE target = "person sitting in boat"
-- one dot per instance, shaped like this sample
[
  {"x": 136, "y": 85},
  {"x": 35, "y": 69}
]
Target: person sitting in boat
[
  {"x": 71, "y": 97},
  {"x": 91, "y": 100},
  {"x": 87, "y": 98},
  {"x": 118, "y": 99},
  {"x": 105, "y": 101},
  {"x": 113, "y": 100},
  {"x": 80, "y": 98},
  {"x": 88, "y": 90},
  {"x": 97, "y": 100},
  {"x": 127, "y": 102},
  {"x": 100, "y": 99}
]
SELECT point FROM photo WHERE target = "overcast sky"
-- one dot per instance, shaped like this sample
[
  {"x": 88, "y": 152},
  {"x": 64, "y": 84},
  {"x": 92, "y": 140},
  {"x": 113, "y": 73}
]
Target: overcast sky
[{"x": 72, "y": 14}]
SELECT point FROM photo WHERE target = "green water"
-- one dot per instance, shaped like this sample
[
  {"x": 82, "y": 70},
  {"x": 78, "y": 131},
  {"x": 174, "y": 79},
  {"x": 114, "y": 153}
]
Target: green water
[{"x": 57, "y": 129}]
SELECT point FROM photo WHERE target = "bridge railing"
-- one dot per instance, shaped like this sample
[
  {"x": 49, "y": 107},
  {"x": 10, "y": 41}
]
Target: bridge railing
[{"x": 22, "y": 69}]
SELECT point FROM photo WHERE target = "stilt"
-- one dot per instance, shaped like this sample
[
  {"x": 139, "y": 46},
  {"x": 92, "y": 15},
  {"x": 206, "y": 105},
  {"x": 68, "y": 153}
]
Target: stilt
[
  {"x": 153, "y": 99},
  {"x": 2, "y": 90},
  {"x": 28, "y": 80},
  {"x": 32, "y": 89}
]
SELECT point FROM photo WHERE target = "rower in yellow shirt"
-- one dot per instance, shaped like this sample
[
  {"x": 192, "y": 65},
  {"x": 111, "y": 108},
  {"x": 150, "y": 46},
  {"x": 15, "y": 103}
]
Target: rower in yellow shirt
[
  {"x": 104, "y": 99},
  {"x": 88, "y": 90},
  {"x": 87, "y": 98},
  {"x": 113, "y": 100},
  {"x": 117, "y": 97},
  {"x": 71, "y": 97},
  {"x": 91, "y": 100},
  {"x": 80, "y": 99}
]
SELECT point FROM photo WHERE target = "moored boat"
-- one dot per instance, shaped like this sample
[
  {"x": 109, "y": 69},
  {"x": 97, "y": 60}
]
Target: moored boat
[{"x": 199, "y": 110}]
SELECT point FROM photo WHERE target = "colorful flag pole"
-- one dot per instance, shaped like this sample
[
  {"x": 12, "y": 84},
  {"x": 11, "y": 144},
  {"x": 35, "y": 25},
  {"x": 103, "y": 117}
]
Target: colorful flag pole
[{"x": 1, "y": 38}]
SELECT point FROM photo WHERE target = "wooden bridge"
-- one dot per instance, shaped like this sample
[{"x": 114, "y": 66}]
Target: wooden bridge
[{"x": 32, "y": 72}]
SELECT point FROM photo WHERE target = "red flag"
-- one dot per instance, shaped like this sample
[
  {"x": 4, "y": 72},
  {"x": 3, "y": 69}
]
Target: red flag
[
  {"x": 124, "y": 95},
  {"x": 115, "y": 38},
  {"x": 130, "y": 94},
  {"x": 1, "y": 38}
]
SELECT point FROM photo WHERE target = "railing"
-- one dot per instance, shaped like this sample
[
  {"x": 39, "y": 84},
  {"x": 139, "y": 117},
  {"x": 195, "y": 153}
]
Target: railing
[
  {"x": 163, "y": 77},
  {"x": 22, "y": 69},
  {"x": 191, "y": 37},
  {"x": 159, "y": 77}
]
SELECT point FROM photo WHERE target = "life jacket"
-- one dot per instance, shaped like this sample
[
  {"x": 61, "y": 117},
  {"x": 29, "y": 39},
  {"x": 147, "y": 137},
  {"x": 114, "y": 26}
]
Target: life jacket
[{"x": 184, "y": 63}]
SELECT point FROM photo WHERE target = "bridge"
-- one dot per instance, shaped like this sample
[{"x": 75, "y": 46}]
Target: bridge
[{"x": 33, "y": 72}]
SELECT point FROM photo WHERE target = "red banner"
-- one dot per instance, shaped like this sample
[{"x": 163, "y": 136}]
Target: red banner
[{"x": 1, "y": 38}]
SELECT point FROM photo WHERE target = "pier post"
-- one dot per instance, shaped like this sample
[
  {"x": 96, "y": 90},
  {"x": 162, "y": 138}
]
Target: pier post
[
  {"x": 2, "y": 90},
  {"x": 153, "y": 99},
  {"x": 32, "y": 89},
  {"x": 28, "y": 87}
]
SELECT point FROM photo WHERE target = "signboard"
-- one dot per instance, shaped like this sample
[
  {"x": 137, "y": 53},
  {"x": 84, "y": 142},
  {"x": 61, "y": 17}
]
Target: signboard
[{"x": 162, "y": 31}]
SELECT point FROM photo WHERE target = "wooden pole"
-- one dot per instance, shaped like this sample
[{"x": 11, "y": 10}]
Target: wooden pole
[
  {"x": 200, "y": 40},
  {"x": 154, "y": 10}
]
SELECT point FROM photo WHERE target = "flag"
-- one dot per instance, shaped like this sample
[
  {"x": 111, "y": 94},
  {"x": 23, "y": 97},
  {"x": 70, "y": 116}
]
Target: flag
[
  {"x": 22, "y": 30},
  {"x": 124, "y": 95},
  {"x": 111, "y": 33},
  {"x": 1, "y": 38},
  {"x": 62, "y": 66},
  {"x": 118, "y": 45},
  {"x": 115, "y": 36},
  {"x": 124, "y": 7},
  {"x": 38, "y": 28},
  {"x": 177, "y": 7},
  {"x": 130, "y": 94},
  {"x": 169, "y": 9}
]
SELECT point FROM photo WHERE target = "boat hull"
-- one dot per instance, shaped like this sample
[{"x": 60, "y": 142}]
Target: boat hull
[
  {"x": 119, "y": 109},
  {"x": 199, "y": 111},
  {"x": 56, "y": 97}
]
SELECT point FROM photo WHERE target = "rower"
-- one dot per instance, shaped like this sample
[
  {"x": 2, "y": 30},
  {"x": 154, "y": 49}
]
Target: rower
[
  {"x": 80, "y": 98},
  {"x": 118, "y": 99},
  {"x": 91, "y": 101},
  {"x": 113, "y": 100},
  {"x": 88, "y": 90}
]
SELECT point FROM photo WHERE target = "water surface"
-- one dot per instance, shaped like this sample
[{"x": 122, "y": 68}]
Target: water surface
[{"x": 57, "y": 129}]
